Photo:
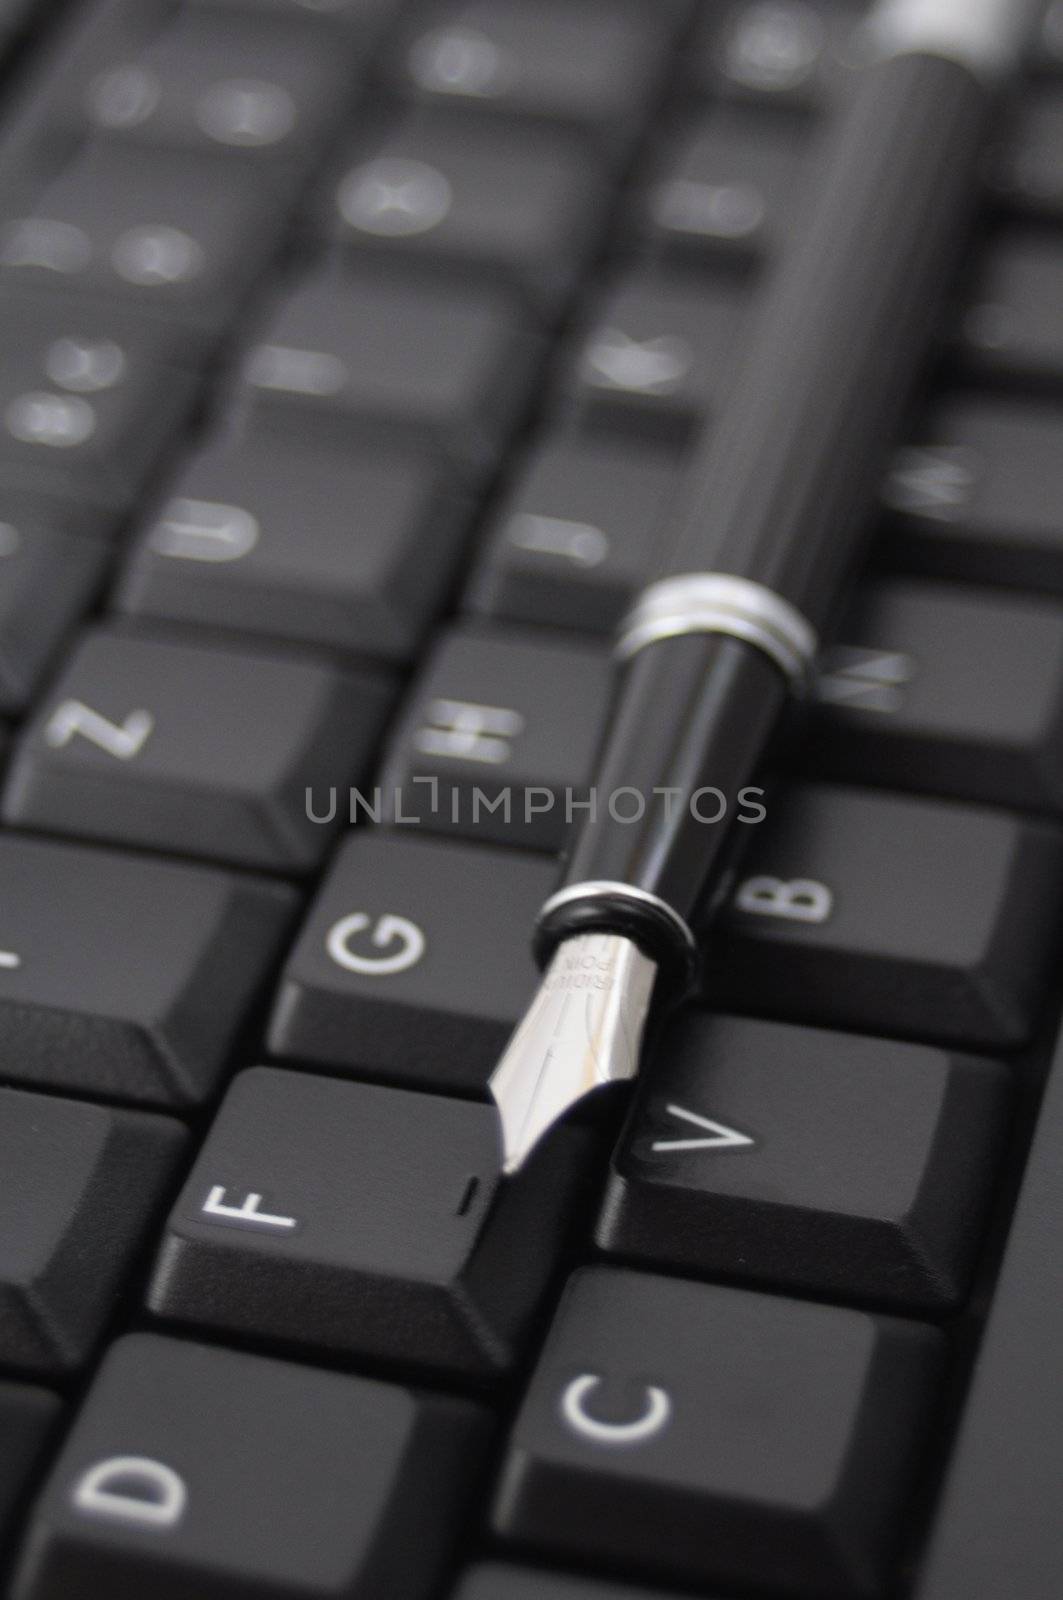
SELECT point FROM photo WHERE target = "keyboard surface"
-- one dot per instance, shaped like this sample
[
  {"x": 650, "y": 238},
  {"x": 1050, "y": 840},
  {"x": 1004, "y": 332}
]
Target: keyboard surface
[{"x": 353, "y": 351}]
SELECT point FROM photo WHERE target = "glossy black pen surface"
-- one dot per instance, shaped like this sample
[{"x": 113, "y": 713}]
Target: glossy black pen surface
[
  {"x": 783, "y": 486},
  {"x": 693, "y": 717},
  {"x": 782, "y": 491}
]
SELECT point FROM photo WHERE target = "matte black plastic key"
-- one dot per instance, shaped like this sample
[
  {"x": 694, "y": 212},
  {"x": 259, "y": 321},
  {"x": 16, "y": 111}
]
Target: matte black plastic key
[
  {"x": 521, "y": 205},
  {"x": 47, "y": 579},
  {"x": 496, "y": 1582},
  {"x": 27, "y": 1416},
  {"x": 81, "y": 1185},
  {"x": 413, "y": 965},
  {"x": 126, "y": 977},
  {"x": 718, "y": 1437},
  {"x": 14, "y": 14},
  {"x": 576, "y": 536},
  {"x": 659, "y": 355},
  {"x": 922, "y": 919},
  {"x": 367, "y": 1222},
  {"x": 317, "y": 544},
  {"x": 269, "y": 91},
  {"x": 497, "y": 737},
  {"x": 1027, "y": 174},
  {"x": 789, "y": 54},
  {"x": 876, "y": 912},
  {"x": 843, "y": 1166},
  {"x": 64, "y": 514},
  {"x": 343, "y": 21},
  {"x": 1011, "y": 329},
  {"x": 379, "y": 355},
  {"x": 1049, "y": 52},
  {"x": 997, "y": 1528},
  {"x": 89, "y": 404},
  {"x": 977, "y": 497},
  {"x": 192, "y": 748},
  {"x": 195, "y": 1470},
  {"x": 730, "y": 188},
  {"x": 593, "y": 64},
  {"x": 178, "y": 235},
  {"x": 945, "y": 690}
]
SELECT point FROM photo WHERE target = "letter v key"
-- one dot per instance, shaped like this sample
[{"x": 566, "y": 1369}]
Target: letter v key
[{"x": 719, "y": 1136}]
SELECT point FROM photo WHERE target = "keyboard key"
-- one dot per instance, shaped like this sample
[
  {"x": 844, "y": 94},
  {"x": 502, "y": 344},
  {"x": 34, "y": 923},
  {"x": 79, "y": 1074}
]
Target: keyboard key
[
  {"x": 338, "y": 19},
  {"x": 659, "y": 355},
  {"x": 175, "y": 234},
  {"x": 1012, "y": 329},
  {"x": 498, "y": 735},
  {"x": 978, "y": 499},
  {"x": 194, "y": 1470},
  {"x": 378, "y": 355},
  {"x": 221, "y": 83},
  {"x": 997, "y": 1530},
  {"x": 192, "y": 748},
  {"x": 728, "y": 188},
  {"x": 364, "y": 1221},
  {"x": 22, "y": 508},
  {"x": 81, "y": 1183},
  {"x": 85, "y": 409},
  {"x": 1027, "y": 173},
  {"x": 917, "y": 918},
  {"x": 516, "y": 1583},
  {"x": 47, "y": 579},
  {"x": 842, "y": 1166},
  {"x": 718, "y": 1436},
  {"x": 1050, "y": 43},
  {"x": 947, "y": 691},
  {"x": 14, "y": 15},
  {"x": 786, "y": 53},
  {"x": 27, "y": 1416},
  {"x": 126, "y": 977},
  {"x": 316, "y": 544},
  {"x": 592, "y": 63},
  {"x": 522, "y": 205},
  {"x": 576, "y": 537},
  {"x": 414, "y": 965}
]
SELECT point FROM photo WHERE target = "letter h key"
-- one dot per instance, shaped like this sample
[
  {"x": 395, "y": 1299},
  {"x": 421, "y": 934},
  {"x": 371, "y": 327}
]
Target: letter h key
[
  {"x": 499, "y": 735},
  {"x": 469, "y": 732}
]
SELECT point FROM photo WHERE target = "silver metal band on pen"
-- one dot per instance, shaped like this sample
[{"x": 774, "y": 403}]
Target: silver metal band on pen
[
  {"x": 700, "y": 603},
  {"x": 985, "y": 36},
  {"x": 622, "y": 891},
  {"x": 717, "y": 602}
]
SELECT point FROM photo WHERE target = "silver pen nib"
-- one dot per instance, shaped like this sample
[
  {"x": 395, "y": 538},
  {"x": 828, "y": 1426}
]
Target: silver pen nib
[{"x": 583, "y": 1029}]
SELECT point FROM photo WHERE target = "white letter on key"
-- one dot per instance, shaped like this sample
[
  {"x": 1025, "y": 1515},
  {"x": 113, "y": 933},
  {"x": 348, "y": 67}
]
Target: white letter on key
[{"x": 246, "y": 1212}]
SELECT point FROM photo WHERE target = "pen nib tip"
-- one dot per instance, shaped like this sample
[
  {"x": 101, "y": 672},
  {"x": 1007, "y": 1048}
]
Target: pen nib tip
[{"x": 582, "y": 1030}]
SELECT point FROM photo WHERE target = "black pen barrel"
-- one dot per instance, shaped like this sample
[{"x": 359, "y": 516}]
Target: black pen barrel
[
  {"x": 778, "y": 509},
  {"x": 693, "y": 717},
  {"x": 784, "y": 485},
  {"x": 780, "y": 498}
]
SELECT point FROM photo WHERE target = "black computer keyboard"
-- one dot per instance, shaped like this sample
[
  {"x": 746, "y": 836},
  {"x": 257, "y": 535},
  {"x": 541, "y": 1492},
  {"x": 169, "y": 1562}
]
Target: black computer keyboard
[{"x": 352, "y": 350}]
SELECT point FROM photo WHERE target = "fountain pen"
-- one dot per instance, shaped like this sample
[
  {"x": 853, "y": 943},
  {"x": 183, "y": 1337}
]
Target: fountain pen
[{"x": 771, "y": 523}]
